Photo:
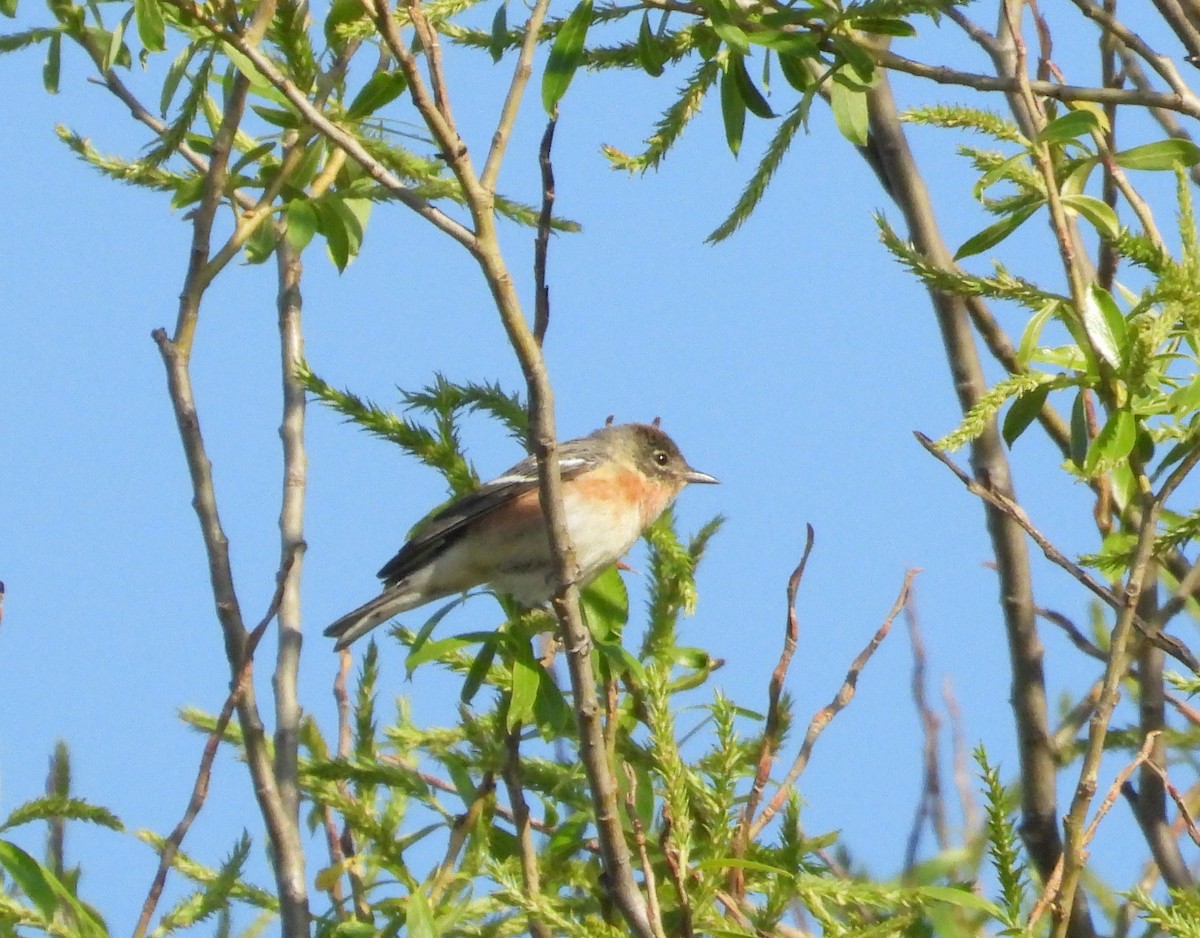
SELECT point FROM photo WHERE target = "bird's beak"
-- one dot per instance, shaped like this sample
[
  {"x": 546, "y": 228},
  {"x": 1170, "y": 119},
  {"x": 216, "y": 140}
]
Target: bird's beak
[{"x": 695, "y": 475}]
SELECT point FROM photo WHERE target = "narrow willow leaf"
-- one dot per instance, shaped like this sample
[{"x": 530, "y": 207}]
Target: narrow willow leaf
[
  {"x": 650, "y": 52},
  {"x": 795, "y": 71},
  {"x": 565, "y": 55},
  {"x": 381, "y": 89},
  {"x": 753, "y": 98},
  {"x": 526, "y": 676},
  {"x": 1023, "y": 412},
  {"x": 1104, "y": 324},
  {"x": 278, "y": 116},
  {"x": 606, "y": 605},
  {"x": 883, "y": 26},
  {"x": 994, "y": 175},
  {"x": 1099, "y": 213},
  {"x": 733, "y": 111},
  {"x": 32, "y": 878},
  {"x": 53, "y": 67},
  {"x": 115, "y": 42},
  {"x": 1113, "y": 443},
  {"x": 1080, "y": 440},
  {"x": 858, "y": 70},
  {"x": 994, "y": 234},
  {"x": 150, "y": 26},
  {"x": 1069, "y": 127},
  {"x": 418, "y": 918},
  {"x": 849, "y": 112},
  {"x": 1164, "y": 154},
  {"x": 963, "y": 898},
  {"x": 478, "y": 671},
  {"x": 261, "y": 243},
  {"x": 174, "y": 75},
  {"x": 499, "y": 35},
  {"x": 1075, "y": 181},
  {"x": 732, "y": 35},
  {"x": 49, "y": 895},
  {"x": 1032, "y": 333}
]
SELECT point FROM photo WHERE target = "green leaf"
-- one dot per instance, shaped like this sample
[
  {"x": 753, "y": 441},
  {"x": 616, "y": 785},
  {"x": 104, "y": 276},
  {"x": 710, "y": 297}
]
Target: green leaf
[
  {"x": 8, "y": 8},
  {"x": 1105, "y": 326},
  {"x": 115, "y": 42},
  {"x": 733, "y": 111},
  {"x": 32, "y": 878},
  {"x": 1069, "y": 127},
  {"x": 1023, "y": 411},
  {"x": 1032, "y": 333},
  {"x": 174, "y": 75},
  {"x": 883, "y": 26},
  {"x": 499, "y": 37},
  {"x": 1080, "y": 440},
  {"x": 418, "y": 919},
  {"x": 278, "y": 116},
  {"x": 53, "y": 67},
  {"x": 995, "y": 233},
  {"x": 963, "y": 898},
  {"x": 650, "y": 52},
  {"x": 1164, "y": 154},
  {"x": 526, "y": 677},
  {"x": 850, "y": 112},
  {"x": 302, "y": 223},
  {"x": 622, "y": 661},
  {"x": 565, "y": 56},
  {"x": 720, "y": 864},
  {"x": 446, "y": 647},
  {"x": 478, "y": 671},
  {"x": 795, "y": 71},
  {"x": 150, "y": 26},
  {"x": 1099, "y": 213},
  {"x": 261, "y": 243},
  {"x": 378, "y": 91},
  {"x": 606, "y": 605},
  {"x": 1113, "y": 443},
  {"x": 752, "y": 97},
  {"x": 732, "y": 35},
  {"x": 49, "y": 895}
]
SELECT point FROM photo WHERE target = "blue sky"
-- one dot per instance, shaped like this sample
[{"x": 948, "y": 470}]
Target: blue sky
[{"x": 793, "y": 362}]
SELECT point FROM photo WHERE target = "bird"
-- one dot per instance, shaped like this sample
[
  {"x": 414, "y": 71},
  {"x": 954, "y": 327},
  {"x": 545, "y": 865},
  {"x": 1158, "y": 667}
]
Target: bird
[{"x": 617, "y": 481}]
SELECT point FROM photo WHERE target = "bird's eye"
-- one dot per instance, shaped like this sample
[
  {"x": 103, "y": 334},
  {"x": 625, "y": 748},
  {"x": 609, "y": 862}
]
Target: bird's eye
[{"x": 661, "y": 458}]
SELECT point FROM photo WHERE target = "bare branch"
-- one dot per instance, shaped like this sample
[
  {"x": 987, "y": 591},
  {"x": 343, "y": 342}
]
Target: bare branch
[
  {"x": 771, "y": 730},
  {"x": 825, "y": 715},
  {"x": 514, "y": 783},
  {"x": 241, "y": 682}
]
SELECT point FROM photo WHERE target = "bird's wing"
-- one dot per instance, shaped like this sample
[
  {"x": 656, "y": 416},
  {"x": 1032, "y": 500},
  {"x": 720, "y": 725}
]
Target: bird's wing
[{"x": 444, "y": 527}]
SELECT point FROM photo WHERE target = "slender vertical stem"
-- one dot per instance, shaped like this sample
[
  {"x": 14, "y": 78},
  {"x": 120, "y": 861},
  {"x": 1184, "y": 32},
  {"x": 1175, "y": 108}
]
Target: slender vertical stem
[{"x": 291, "y": 530}]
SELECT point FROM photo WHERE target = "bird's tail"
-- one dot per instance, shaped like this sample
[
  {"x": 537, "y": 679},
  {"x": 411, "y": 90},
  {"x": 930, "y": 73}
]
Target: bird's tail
[{"x": 370, "y": 614}]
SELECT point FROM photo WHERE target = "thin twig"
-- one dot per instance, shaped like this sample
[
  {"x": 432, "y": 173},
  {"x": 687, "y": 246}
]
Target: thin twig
[
  {"x": 825, "y": 715},
  {"x": 171, "y": 845},
  {"x": 931, "y": 804},
  {"x": 1170, "y": 645},
  {"x": 771, "y": 730},
  {"x": 1185, "y": 816},
  {"x": 963, "y": 782},
  {"x": 943, "y": 75},
  {"x": 639, "y": 837},
  {"x": 1050, "y": 891},
  {"x": 515, "y": 784}
]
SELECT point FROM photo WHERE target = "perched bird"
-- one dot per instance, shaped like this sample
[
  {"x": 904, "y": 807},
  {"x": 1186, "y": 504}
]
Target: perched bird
[{"x": 616, "y": 482}]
